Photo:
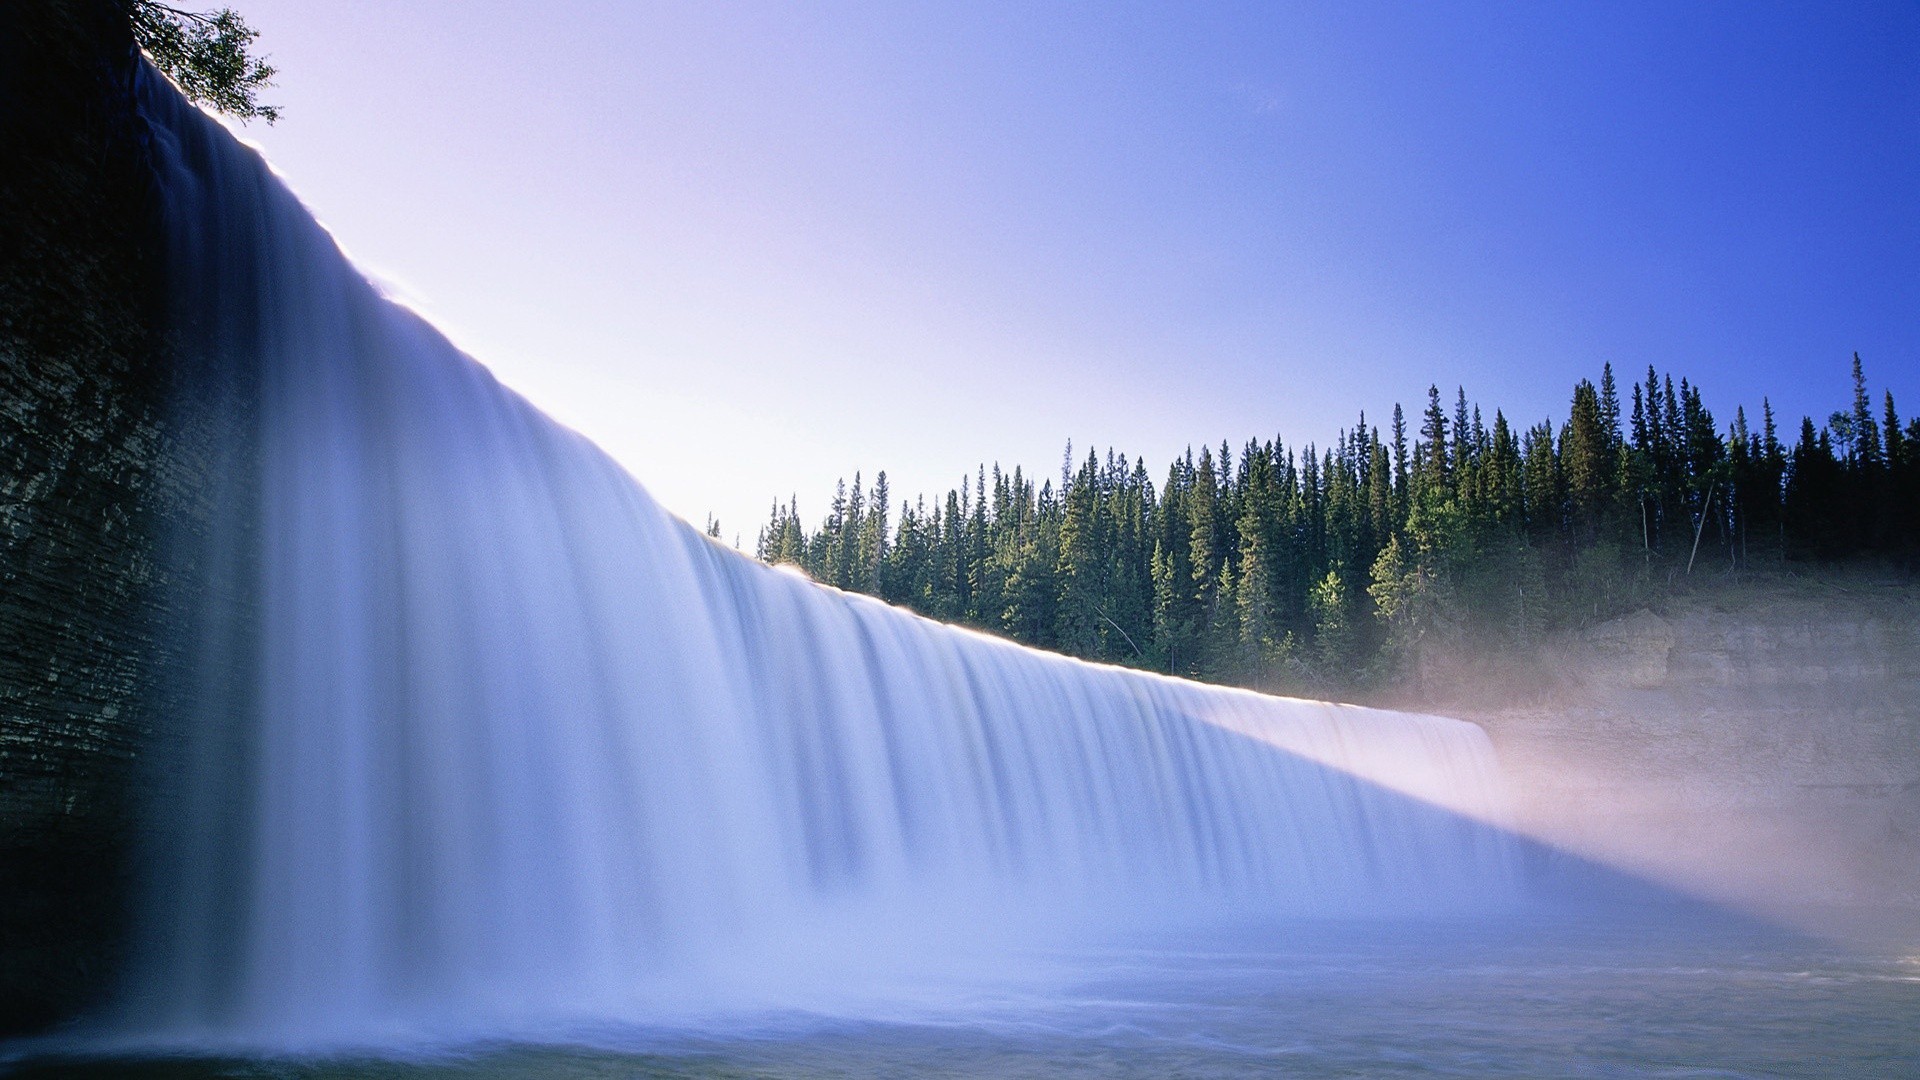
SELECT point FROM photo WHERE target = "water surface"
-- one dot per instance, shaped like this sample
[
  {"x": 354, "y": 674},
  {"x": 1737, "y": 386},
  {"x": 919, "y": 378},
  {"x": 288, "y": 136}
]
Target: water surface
[{"x": 1654, "y": 996}]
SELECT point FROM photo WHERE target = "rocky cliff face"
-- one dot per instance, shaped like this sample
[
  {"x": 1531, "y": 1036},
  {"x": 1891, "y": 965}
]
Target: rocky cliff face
[
  {"x": 1759, "y": 742},
  {"x": 84, "y": 488}
]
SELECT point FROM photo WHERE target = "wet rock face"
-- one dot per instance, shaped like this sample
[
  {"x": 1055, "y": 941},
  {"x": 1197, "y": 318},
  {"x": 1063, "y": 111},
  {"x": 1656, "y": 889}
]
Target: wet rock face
[{"x": 81, "y": 492}]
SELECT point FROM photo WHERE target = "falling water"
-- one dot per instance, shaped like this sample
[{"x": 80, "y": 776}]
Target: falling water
[{"x": 496, "y": 740}]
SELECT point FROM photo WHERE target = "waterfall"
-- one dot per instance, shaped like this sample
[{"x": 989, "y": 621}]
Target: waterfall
[{"x": 497, "y": 739}]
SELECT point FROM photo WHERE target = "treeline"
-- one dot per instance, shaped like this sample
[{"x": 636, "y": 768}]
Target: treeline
[{"x": 1285, "y": 566}]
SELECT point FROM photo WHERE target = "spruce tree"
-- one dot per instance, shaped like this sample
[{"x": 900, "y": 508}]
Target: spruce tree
[{"x": 1586, "y": 462}]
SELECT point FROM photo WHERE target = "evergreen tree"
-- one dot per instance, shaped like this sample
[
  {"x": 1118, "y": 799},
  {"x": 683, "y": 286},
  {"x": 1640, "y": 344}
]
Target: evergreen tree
[
  {"x": 1586, "y": 463},
  {"x": 1433, "y": 447},
  {"x": 1400, "y": 474}
]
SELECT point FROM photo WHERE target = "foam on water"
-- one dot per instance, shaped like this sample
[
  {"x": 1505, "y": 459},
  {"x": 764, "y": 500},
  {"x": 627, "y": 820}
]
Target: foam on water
[{"x": 494, "y": 742}]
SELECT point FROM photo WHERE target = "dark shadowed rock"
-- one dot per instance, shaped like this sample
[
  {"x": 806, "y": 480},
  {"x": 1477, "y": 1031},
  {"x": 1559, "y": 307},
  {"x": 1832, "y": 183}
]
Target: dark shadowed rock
[{"x": 83, "y": 490}]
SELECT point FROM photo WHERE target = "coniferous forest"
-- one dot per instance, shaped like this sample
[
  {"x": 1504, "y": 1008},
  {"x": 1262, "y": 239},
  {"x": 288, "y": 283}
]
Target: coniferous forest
[{"x": 1280, "y": 566}]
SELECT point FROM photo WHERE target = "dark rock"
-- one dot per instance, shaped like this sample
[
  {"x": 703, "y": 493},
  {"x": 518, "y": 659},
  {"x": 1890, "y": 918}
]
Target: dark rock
[{"x": 85, "y": 487}]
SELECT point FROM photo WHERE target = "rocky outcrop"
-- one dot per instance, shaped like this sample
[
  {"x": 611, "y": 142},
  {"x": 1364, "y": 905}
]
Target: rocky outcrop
[{"x": 1758, "y": 741}]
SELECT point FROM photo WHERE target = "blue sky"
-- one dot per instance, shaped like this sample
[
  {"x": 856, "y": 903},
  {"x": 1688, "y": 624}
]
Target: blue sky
[{"x": 752, "y": 248}]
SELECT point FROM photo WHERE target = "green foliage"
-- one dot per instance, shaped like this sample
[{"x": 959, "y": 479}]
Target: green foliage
[
  {"x": 1277, "y": 567},
  {"x": 209, "y": 56},
  {"x": 1335, "y": 637}
]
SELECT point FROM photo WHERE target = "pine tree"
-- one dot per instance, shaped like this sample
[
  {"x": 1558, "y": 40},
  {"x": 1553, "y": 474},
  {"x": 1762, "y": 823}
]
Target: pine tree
[
  {"x": 1400, "y": 475},
  {"x": 1609, "y": 407},
  {"x": 1505, "y": 491},
  {"x": 1082, "y": 583},
  {"x": 874, "y": 539},
  {"x": 1334, "y": 634},
  {"x": 1812, "y": 478},
  {"x": 1258, "y": 634},
  {"x": 1382, "y": 520},
  {"x": 1866, "y": 433},
  {"x": 1175, "y": 610},
  {"x": 1540, "y": 472},
  {"x": 1433, "y": 445},
  {"x": 1203, "y": 504},
  {"x": 1586, "y": 463}
]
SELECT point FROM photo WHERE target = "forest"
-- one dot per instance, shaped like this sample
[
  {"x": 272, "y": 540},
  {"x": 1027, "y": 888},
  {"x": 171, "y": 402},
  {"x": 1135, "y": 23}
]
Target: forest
[{"x": 1283, "y": 567}]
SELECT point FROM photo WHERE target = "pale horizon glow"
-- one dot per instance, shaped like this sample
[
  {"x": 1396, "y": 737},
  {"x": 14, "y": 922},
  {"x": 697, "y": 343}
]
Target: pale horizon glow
[{"x": 748, "y": 251}]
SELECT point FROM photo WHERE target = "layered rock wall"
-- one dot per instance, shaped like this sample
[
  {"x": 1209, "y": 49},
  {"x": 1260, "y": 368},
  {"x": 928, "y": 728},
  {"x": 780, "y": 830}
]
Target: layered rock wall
[
  {"x": 1757, "y": 740},
  {"x": 83, "y": 492}
]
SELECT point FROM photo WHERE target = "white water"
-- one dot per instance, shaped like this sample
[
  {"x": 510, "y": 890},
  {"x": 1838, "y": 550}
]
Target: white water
[{"x": 516, "y": 748}]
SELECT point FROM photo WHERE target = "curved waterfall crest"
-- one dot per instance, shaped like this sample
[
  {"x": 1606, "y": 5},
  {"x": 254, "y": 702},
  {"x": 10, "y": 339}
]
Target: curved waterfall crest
[{"x": 497, "y": 736}]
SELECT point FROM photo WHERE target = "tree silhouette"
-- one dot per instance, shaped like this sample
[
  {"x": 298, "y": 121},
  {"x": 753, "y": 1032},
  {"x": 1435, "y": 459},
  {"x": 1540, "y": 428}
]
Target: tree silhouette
[{"x": 208, "y": 55}]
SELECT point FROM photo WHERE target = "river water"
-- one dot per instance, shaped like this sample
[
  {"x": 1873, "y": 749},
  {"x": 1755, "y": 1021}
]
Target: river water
[{"x": 1669, "y": 993}]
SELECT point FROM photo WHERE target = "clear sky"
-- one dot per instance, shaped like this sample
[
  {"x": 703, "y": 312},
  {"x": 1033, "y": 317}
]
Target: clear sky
[{"x": 751, "y": 248}]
